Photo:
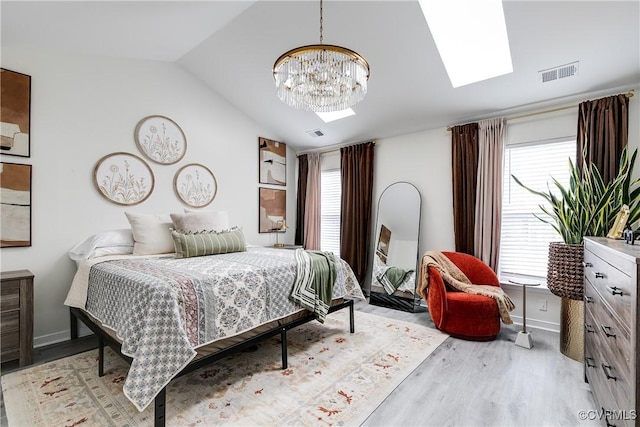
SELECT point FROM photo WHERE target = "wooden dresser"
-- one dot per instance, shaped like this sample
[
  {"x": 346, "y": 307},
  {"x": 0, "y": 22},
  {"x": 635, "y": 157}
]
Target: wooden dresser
[
  {"x": 16, "y": 316},
  {"x": 611, "y": 328}
]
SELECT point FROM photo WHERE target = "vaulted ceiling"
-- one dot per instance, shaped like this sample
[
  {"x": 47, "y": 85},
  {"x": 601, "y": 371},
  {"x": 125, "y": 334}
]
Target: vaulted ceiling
[{"x": 232, "y": 45}]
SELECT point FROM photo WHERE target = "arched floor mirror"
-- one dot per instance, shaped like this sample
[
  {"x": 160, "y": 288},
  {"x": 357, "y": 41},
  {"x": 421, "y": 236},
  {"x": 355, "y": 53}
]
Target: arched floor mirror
[{"x": 395, "y": 258}]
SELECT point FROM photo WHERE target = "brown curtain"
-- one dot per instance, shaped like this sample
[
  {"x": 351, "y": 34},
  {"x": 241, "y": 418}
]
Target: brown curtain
[
  {"x": 312, "y": 212},
  {"x": 356, "y": 165},
  {"x": 464, "y": 164},
  {"x": 603, "y": 130},
  {"x": 303, "y": 170}
]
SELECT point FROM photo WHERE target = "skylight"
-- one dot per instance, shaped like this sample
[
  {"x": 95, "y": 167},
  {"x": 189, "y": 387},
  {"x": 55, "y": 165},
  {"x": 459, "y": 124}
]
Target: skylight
[
  {"x": 336, "y": 115},
  {"x": 471, "y": 37}
]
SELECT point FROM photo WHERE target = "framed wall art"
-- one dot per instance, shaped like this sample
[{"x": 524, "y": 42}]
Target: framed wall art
[
  {"x": 15, "y": 110},
  {"x": 15, "y": 206},
  {"x": 161, "y": 140},
  {"x": 124, "y": 179},
  {"x": 273, "y": 209},
  {"x": 272, "y": 162},
  {"x": 195, "y": 185}
]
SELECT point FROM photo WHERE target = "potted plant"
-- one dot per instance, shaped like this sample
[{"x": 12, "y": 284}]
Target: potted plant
[{"x": 586, "y": 207}]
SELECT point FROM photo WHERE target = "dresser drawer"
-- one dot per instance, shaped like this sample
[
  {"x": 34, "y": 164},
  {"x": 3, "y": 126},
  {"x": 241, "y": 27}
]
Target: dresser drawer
[
  {"x": 16, "y": 316},
  {"x": 10, "y": 335},
  {"x": 603, "y": 398},
  {"x": 609, "y": 348},
  {"x": 614, "y": 336},
  {"x": 10, "y": 295},
  {"x": 592, "y": 356},
  {"x": 615, "y": 287}
]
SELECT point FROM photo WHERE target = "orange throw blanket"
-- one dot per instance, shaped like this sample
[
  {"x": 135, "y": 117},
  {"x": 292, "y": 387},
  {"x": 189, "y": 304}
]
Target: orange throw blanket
[{"x": 455, "y": 278}]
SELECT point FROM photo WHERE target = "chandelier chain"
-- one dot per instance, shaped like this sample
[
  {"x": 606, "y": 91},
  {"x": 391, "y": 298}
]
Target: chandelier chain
[{"x": 320, "y": 21}]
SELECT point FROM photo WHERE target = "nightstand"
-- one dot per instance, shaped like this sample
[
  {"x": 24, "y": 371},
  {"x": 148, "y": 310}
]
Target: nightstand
[{"x": 16, "y": 316}]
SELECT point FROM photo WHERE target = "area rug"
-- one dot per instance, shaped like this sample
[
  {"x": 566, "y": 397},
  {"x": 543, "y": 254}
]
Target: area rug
[{"x": 333, "y": 378}]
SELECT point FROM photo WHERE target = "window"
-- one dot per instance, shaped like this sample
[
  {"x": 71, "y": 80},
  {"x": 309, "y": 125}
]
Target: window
[
  {"x": 331, "y": 190},
  {"x": 524, "y": 242}
]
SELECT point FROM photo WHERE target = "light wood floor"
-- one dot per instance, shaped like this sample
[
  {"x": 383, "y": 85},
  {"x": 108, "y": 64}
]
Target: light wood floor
[
  {"x": 462, "y": 383},
  {"x": 496, "y": 383}
]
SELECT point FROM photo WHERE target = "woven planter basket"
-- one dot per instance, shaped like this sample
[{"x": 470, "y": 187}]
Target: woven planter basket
[{"x": 565, "y": 273}]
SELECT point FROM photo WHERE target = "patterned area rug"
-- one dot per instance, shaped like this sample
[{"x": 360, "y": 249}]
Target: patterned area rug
[{"x": 334, "y": 378}]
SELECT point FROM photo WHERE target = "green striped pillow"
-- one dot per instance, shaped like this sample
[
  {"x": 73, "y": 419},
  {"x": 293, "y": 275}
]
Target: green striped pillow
[{"x": 208, "y": 242}]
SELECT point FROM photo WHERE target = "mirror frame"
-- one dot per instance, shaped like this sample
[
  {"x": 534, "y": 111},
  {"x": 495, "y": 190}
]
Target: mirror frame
[{"x": 394, "y": 301}]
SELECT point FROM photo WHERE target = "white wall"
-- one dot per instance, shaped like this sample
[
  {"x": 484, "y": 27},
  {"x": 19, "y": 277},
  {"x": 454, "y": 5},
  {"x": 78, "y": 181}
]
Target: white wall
[
  {"x": 83, "y": 108},
  {"x": 424, "y": 159}
]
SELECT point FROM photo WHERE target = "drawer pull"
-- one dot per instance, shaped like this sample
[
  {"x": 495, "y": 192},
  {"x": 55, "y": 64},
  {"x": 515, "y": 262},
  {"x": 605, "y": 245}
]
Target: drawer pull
[
  {"x": 607, "y": 331},
  {"x": 588, "y": 299},
  {"x": 586, "y": 264},
  {"x": 615, "y": 290},
  {"x": 590, "y": 362},
  {"x": 598, "y": 275},
  {"x": 608, "y": 372},
  {"x": 589, "y": 328},
  {"x": 606, "y": 418}
]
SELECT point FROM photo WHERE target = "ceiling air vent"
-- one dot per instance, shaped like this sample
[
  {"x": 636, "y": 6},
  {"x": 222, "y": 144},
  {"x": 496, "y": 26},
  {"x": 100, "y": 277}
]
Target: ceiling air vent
[
  {"x": 561, "y": 72},
  {"x": 315, "y": 133}
]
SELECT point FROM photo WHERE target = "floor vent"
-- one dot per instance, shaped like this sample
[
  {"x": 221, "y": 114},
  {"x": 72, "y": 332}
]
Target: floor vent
[
  {"x": 561, "y": 72},
  {"x": 315, "y": 133}
]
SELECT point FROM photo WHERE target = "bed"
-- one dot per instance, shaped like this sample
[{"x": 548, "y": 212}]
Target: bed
[{"x": 168, "y": 315}]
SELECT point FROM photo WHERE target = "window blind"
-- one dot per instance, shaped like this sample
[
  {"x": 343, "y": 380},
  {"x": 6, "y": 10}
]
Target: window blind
[
  {"x": 330, "y": 195},
  {"x": 524, "y": 241}
]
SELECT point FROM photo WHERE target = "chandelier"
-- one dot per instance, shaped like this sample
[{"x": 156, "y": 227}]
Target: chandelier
[{"x": 321, "y": 78}]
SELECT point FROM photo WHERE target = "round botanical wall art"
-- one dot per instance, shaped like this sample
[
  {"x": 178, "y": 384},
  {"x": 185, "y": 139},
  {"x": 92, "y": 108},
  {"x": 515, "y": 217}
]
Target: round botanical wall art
[
  {"x": 195, "y": 185},
  {"x": 161, "y": 140},
  {"x": 123, "y": 178}
]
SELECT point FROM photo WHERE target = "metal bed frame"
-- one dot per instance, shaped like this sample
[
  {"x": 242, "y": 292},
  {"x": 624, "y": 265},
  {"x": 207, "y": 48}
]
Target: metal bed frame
[{"x": 160, "y": 399}]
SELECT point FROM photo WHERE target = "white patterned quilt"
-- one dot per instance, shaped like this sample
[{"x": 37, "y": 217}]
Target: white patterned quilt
[{"x": 162, "y": 308}]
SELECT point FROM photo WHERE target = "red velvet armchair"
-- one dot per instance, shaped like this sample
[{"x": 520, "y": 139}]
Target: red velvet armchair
[{"x": 462, "y": 315}]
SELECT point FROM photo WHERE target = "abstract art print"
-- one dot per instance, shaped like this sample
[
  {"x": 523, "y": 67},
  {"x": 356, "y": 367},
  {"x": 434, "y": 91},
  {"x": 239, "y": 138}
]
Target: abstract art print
[
  {"x": 273, "y": 162},
  {"x": 124, "y": 179},
  {"x": 161, "y": 140},
  {"x": 15, "y": 209},
  {"x": 195, "y": 185},
  {"x": 15, "y": 110},
  {"x": 273, "y": 209}
]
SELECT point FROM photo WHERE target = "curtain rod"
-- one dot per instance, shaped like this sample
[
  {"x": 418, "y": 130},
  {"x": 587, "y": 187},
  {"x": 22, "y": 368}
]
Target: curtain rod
[
  {"x": 331, "y": 150},
  {"x": 552, "y": 110}
]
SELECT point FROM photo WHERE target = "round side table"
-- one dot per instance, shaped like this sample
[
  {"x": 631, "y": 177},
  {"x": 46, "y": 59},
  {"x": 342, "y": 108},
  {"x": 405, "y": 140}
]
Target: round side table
[{"x": 524, "y": 338}]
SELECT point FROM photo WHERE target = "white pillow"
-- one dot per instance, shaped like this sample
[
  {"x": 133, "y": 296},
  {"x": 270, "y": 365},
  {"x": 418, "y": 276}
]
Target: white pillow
[
  {"x": 197, "y": 221},
  {"x": 151, "y": 233},
  {"x": 112, "y": 242}
]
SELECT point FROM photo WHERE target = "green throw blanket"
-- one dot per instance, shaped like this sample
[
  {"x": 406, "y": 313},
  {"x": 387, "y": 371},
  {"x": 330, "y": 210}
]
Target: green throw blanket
[
  {"x": 313, "y": 286},
  {"x": 392, "y": 278}
]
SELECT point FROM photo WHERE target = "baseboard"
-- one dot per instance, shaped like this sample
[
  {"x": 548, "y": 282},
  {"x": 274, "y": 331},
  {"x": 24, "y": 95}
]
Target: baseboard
[
  {"x": 44, "y": 340},
  {"x": 537, "y": 324}
]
